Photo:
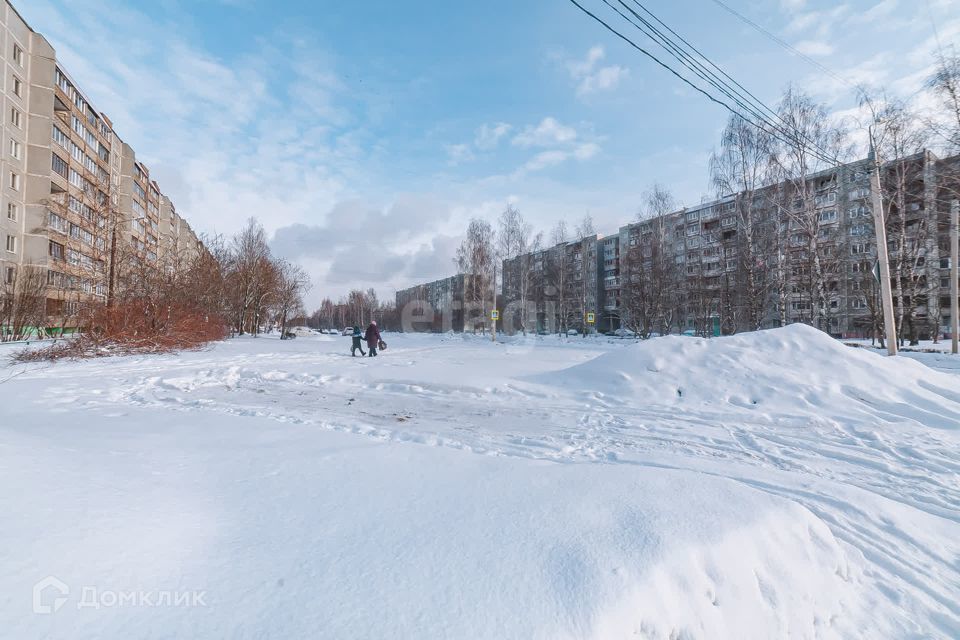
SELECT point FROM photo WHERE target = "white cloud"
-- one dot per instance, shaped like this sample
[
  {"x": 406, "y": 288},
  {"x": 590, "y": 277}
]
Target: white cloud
[
  {"x": 814, "y": 48},
  {"x": 586, "y": 150},
  {"x": 879, "y": 11},
  {"x": 547, "y": 133},
  {"x": 818, "y": 23},
  {"x": 488, "y": 136},
  {"x": 590, "y": 78},
  {"x": 792, "y": 5},
  {"x": 546, "y": 159},
  {"x": 458, "y": 153}
]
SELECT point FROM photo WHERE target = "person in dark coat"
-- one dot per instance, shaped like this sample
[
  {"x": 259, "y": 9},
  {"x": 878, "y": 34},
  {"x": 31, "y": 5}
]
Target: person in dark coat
[
  {"x": 357, "y": 342},
  {"x": 372, "y": 337}
]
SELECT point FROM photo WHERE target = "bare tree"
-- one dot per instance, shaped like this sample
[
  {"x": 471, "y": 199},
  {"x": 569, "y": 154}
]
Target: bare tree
[
  {"x": 517, "y": 243},
  {"x": 558, "y": 269},
  {"x": 476, "y": 259},
  {"x": 650, "y": 276},
  {"x": 797, "y": 160},
  {"x": 584, "y": 270},
  {"x": 741, "y": 167},
  {"x": 22, "y": 302},
  {"x": 911, "y": 232},
  {"x": 945, "y": 83},
  {"x": 293, "y": 282},
  {"x": 250, "y": 277}
]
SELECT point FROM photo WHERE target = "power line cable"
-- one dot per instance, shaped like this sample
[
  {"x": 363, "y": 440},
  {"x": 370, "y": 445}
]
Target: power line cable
[
  {"x": 783, "y": 44},
  {"x": 755, "y": 117},
  {"x": 751, "y": 104},
  {"x": 743, "y": 89}
]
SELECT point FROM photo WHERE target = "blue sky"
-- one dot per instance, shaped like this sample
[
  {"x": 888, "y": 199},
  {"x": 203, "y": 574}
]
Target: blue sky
[{"x": 364, "y": 135}]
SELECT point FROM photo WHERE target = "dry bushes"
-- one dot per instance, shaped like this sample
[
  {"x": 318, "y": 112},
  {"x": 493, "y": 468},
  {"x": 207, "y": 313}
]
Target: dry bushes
[{"x": 134, "y": 327}]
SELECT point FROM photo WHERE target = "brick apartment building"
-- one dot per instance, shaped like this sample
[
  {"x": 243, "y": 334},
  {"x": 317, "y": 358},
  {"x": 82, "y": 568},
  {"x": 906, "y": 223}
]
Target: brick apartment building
[{"x": 73, "y": 196}]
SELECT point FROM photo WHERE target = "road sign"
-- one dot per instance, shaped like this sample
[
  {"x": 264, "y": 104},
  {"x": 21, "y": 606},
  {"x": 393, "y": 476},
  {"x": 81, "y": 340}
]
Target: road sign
[
  {"x": 591, "y": 318},
  {"x": 494, "y": 315},
  {"x": 876, "y": 270}
]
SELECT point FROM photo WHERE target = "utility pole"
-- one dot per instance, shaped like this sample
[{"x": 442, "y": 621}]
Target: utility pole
[
  {"x": 493, "y": 313},
  {"x": 954, "y": 251},
  {"x": 880, "y": 227}
]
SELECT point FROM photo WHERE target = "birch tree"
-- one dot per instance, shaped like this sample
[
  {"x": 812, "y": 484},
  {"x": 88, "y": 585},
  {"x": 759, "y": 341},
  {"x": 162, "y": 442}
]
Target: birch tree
[
  {"x": 741, "y": 167},
  {"x": 796, "y": 159}
]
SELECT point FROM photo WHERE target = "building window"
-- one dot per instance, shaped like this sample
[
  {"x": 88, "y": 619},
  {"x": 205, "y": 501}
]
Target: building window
[
  {"x": 17, "y": 87},
  {"x": 12, "y": 211},
  {"x": 16, "y": 149},
  {"x": 12, "y": 244},
  {"x": 56, "y": 250},
  {"x": 60, "y": 137},
  {"x": 9, "y": 275},
  {"x": 14, "y": 181},
  {"x": 18, "y": 55},
  {"x": 858, "y": 248},
  {"x": 56, "y": 222},
  {"x": 829, "y": 215},
  {"x": 59, "y": 165},
  {"x": 16, "y": 118}
]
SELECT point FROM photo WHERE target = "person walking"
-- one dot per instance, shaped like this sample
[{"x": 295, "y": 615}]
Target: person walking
[
  {"x": 357, "y": 342},
  {"x": 373, "y": 338}
]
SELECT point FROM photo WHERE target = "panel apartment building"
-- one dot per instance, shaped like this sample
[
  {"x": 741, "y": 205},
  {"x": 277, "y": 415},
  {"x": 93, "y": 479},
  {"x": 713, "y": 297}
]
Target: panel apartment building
[
  {"x": 558, "y": 285},
  {"x": 73, "y": 195},
  {"x": 443, "y": 305},
  {"x": 694, "y": 261}
]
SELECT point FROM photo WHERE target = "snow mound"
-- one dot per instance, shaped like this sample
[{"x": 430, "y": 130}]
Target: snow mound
[
  {"x": 341, "y": 541},
  {"x": 787, "y": 374}
]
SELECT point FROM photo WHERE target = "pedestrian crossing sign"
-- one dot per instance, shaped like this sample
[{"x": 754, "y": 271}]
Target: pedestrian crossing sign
[
  {"x": 494, "y": 315},
  {"x": 591, "y": 318}
]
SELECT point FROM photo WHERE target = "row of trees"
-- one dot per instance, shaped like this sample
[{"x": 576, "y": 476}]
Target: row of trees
[
  {"x": 255, "y": 289},
  {"x": 179, "y": 298},
  {"x": 357, "y": 308}
]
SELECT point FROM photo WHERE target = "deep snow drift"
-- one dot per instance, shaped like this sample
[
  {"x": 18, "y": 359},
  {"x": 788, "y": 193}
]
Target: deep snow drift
[{"x": 766, "y": 485}]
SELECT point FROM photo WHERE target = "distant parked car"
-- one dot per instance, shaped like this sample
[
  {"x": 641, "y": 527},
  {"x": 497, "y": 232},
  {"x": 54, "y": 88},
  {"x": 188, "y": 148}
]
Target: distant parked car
[
  {"x": 572, "y": 332},
  {"x": 348, "y": 331}
]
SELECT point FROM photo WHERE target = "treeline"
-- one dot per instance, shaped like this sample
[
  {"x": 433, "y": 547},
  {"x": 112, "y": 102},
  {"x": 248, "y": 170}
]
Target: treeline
[
  {"x": 257, "y": 291},
  {"x": 357, "y": 308},
  {"x": 180, "y": 300}
]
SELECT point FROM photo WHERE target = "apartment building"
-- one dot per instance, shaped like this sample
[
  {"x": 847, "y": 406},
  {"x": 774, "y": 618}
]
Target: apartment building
[
  {"x": 555, "y": 289},
  {"x": 74, "y": 198},
  {"x": 808, "y": 257},
  {"x": 443, "y": 305}
]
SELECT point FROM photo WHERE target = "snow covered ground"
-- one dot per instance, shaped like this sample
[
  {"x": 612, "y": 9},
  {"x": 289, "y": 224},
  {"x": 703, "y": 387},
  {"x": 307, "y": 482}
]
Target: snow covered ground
[{"x": 767, "y": 485}]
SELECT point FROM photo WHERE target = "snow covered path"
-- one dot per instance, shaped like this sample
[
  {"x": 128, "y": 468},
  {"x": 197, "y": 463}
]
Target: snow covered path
[{"x": 837, "y": 474}]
